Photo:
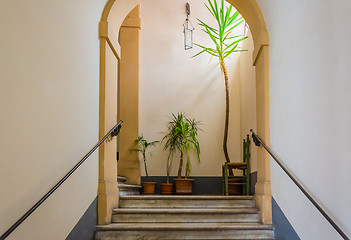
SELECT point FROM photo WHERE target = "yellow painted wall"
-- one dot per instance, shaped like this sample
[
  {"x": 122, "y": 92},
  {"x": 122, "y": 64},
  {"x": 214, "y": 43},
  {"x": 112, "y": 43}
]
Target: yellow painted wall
[
  {"x": 110, "y": 54},
  {"x": 128, "y": 164},
  {"x": 118, "y": 12},
  {"x": 172, "y": 81},
  {"x": 248, "y": 96},
  {"x": 107, "y": 189},
  {"x": 49, "y": 95}
]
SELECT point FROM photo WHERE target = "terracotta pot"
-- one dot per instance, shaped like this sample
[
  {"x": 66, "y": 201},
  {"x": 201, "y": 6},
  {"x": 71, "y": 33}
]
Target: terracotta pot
[
  {"x": 235, "y": 189},
  {"x": 184, "y": 185},
  {"x": 148, "y": 187},
  {"x": 167, "y": 188}
]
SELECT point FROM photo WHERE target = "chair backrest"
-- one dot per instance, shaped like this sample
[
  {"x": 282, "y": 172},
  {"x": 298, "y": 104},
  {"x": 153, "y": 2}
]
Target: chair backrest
[{"x": 246, "y": 149}]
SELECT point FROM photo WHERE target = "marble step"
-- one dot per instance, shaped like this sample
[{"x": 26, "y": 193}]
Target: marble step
[
  {"x": 128, "y": 189},
  {"x": 174, "y": 201},
  {"x": 121, "y": 179},
  {"x": 174, "y": 231},
  {"x": 124, "y": 215}
]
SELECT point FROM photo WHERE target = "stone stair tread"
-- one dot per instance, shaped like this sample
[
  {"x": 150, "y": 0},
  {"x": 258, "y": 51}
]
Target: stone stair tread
[
  {"x": 185, "y": 197},
  {"x": 186, "y": 210},
  {"x": 123, "y": 185},
  {"x": 190, "y": 202},
  {"x": 174, "y": 217},
  {"x": 183, "y": 226},
  {"x": 121, "y": 179}
]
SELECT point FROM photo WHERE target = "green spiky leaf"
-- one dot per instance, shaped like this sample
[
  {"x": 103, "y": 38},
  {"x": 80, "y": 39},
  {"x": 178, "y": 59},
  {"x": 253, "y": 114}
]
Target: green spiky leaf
[{"x": 224, "y": 41}]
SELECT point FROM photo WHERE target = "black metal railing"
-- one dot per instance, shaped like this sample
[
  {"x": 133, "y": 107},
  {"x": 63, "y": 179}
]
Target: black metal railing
[
  {"x": 113, "y": 132},
  {"x": 258, "y": 142}
]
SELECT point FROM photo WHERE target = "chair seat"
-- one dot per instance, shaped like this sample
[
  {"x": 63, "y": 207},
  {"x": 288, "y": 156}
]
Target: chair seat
[{"x": 237, "y": 165}]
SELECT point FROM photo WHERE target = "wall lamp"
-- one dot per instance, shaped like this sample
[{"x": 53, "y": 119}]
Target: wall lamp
[{"x": 188, "y": 29}]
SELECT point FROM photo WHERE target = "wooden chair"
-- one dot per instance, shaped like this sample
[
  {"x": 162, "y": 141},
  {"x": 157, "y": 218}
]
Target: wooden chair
[{"x": 228, "y": 168}]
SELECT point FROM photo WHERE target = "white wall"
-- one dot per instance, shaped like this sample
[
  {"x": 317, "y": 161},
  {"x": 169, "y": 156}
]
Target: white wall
[
  {"x": 49, "y": 96},
  {"x": 171, "y": 81},
  {"x": 310, "y": 106}
]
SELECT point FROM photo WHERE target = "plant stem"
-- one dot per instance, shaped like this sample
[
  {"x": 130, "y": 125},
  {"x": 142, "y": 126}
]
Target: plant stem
[
  {"x": 147, "y": 175},
  {"x": 181, "y": 161},
  {"x": 168, "y": 165},
  {"x": 187, "y": 166},
  {"x": 225, "y": 138}
]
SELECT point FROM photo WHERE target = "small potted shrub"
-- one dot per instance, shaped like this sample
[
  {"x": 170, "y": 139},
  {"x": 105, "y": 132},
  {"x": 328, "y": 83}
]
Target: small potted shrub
[
  {"x": 182, "y": 136},
  {"x": 168, "y": 188},
  {"x": 143, "y": 144}
]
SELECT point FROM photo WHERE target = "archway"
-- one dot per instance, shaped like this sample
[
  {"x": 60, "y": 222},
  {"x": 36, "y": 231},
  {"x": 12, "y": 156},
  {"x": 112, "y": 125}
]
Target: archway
[{"x": 114, "y": 15}]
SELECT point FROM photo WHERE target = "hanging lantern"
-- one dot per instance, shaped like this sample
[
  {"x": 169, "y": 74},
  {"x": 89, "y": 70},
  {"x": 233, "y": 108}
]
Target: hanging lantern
[{"x": 188, "y": 29}]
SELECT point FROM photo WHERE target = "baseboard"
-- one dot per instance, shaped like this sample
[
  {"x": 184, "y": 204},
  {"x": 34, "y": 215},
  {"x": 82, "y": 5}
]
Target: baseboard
[
  {"x": 203, "y": 185},
  {"x": 283, "y": 229},
  {"x": 84, "y": 229}
]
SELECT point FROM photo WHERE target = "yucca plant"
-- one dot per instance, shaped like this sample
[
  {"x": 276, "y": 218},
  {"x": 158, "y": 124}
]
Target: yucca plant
[
  {"x": 181, "y": 136},
  {"x": 143, "y": 144},
  {"x": 225, "y": 43}
]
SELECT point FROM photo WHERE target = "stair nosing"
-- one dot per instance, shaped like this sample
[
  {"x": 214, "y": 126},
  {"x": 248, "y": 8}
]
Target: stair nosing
[
  {"x": 123, "y": 185},
  {"x": 183, "y": 226},
  {"x": 186, "y": 197},
  {"x": 184, "y": 210}
]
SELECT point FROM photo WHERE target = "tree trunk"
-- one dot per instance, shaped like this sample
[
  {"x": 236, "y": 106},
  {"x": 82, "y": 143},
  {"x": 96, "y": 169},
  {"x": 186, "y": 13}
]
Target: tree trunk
[
  {"x": 169, "y": 165},
  {"x": 187, "y": 166},
  {"x": 147, "y": 175},
  {"x": 225, "y": 138},
  {"x": 181, "y": 162}
]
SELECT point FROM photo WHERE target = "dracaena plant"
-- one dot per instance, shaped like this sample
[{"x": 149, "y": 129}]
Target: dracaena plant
[
  {"x": 225, "y": 42},
  {"x": 143, "y": 144},
  {"x": 181, "y": 136}
]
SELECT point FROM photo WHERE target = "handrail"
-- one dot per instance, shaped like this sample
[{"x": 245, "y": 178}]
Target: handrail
[
  {"x": 258, "y": 142},
  {"x": 113, "y": 132}
]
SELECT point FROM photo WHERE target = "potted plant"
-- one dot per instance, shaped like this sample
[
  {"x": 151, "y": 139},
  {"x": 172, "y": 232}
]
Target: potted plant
[
  {"x": 225, "y": 43},
  {"x": 182, "y": 136},
  {"x": 168, "y": 188},
  {"x": 143, "y": 144}
]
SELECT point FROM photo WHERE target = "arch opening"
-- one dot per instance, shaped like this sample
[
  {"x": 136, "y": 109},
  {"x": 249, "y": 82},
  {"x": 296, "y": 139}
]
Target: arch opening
[{"x": 114, "y": 15}]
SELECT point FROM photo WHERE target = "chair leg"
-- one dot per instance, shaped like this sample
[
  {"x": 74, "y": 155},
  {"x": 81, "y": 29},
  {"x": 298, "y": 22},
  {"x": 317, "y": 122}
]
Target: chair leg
[
  {"x": 223, "y": 182},
  {"x": 248, "y": 165},
  {"x": 247, "y": 182},
  {"x": 226, "y": 179},
  {"x": 244, "y": 182}
]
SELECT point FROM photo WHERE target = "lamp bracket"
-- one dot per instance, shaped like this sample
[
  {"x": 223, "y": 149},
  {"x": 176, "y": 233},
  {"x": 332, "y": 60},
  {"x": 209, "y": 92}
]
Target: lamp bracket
[{"x": 187, "y": 9}]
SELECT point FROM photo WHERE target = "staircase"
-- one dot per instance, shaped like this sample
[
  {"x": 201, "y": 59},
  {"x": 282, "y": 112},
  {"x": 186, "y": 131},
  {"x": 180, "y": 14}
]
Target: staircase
[
  {"x": 127, "y": 189},
  {"x": 185, "y": 217}
]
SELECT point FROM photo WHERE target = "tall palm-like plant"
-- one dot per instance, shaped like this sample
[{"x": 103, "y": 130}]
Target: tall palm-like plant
[
  {"x": 225, "y": 43},
  {"x": 143, "y": 144}
]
